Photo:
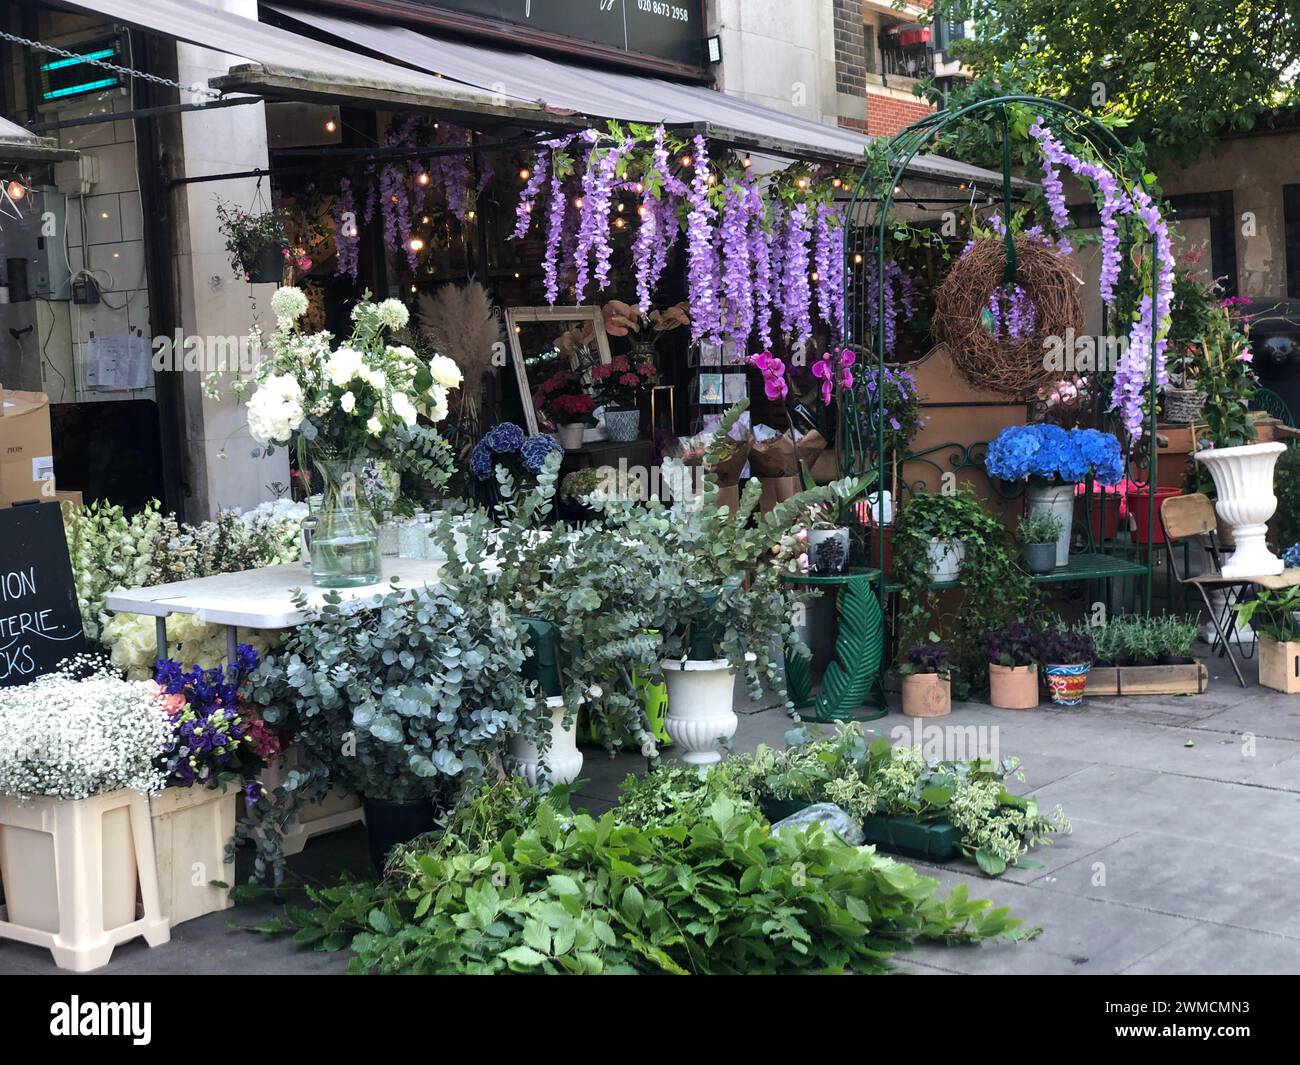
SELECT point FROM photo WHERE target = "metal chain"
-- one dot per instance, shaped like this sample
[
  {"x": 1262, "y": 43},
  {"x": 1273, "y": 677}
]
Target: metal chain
[{"x": 198, "y": 90}]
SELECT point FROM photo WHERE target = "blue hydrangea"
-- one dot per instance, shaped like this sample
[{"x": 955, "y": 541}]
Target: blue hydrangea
[
  {"x": 535, "y": 450},
  {"x": 480, "y": 461},
  {"x": 1292, "y": 556},
  {"x": 1051, "y": 453},
  {"x": 505, "y": 438}
]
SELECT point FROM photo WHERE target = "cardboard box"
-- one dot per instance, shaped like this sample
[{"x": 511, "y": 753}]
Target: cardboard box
[{"x": 26, "y": 447}]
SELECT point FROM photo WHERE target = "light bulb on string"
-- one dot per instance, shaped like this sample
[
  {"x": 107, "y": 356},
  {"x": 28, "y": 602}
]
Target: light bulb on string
[
  {"x": 16, "y": 189},
  {"x": 423, "y": 178}
]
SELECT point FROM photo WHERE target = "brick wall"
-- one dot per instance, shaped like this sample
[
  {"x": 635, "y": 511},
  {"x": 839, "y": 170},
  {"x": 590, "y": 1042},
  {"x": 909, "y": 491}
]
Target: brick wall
[
  {"x": 886, "y": 115},
  {"x": 850, "y": 48}
]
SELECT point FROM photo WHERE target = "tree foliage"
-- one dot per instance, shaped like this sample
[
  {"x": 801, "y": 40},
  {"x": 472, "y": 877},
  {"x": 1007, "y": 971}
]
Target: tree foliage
[{"x": 1175, "y": 74}]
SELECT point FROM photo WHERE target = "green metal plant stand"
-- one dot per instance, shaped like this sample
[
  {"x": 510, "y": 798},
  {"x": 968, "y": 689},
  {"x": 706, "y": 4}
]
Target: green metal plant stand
[{"x": 854, "y": 672}]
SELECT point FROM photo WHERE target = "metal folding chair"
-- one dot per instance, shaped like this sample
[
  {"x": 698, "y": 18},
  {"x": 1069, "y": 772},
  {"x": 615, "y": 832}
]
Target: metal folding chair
[{"x": 1192, "y": 517}]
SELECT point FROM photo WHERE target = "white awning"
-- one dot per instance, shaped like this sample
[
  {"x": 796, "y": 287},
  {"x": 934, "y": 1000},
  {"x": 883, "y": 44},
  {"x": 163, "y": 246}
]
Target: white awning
[
  {"x": 567, "y": 89},
  {"x": 298, "y": 64},
  {"x": 21, "y": 145}
]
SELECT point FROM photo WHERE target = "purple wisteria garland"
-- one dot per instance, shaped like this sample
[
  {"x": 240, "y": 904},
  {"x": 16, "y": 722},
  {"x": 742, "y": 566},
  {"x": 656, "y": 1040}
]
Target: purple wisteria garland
[
  {"x": 747, "y": 261},
  {"x": 900, "y": 297},
  {"x": 1152, "y": 319},
  {"x": 347, "y": 235},
  {"x": 701, "y": 290}
]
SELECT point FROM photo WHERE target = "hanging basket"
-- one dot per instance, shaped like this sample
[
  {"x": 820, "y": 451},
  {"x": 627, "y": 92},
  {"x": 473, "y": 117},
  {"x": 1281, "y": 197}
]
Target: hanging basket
[
  {"x": 1182, "y": 406},
  {"x": 1018, "y": 368},
  {"x": 267, "y": 266}
]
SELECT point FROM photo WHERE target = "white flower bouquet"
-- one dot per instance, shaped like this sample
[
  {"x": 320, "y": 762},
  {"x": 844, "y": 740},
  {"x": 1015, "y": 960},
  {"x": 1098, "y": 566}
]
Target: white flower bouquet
[
  {"x": 70, "y": 739},
  {"x": 361, "y": 397}
]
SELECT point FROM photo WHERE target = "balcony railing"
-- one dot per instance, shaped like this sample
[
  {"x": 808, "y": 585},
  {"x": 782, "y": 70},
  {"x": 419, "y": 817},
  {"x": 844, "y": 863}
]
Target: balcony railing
[{"x": 908, "y": 61}]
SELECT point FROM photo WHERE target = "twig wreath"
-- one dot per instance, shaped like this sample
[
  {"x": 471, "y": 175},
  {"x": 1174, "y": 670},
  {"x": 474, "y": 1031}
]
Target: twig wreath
[{"x": 996, "y": 333}]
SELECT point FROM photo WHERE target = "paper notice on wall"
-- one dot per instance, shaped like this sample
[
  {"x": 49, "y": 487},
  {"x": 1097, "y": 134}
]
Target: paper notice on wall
[{"x": 118, "y": 363}]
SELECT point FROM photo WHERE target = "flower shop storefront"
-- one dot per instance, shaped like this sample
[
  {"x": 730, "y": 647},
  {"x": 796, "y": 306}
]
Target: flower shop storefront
[{"x": 591, "y": 417}]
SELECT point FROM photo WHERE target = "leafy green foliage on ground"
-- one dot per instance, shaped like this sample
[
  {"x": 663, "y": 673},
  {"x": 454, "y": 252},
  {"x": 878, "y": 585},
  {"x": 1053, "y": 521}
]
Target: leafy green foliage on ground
[{"x": 557, "y": 892}]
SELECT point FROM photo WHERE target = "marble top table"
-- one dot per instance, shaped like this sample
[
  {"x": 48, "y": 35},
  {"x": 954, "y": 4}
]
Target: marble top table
[{"x": 259, "y": 598}]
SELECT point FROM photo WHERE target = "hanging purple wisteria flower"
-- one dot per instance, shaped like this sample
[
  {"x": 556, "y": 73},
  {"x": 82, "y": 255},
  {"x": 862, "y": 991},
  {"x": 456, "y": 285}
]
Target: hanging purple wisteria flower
[
  {"x": 528, "y": 198},
  {"x": 796, "y": 309},
  {"x": 737, "y": 265},
  {"x": 701, "y": 289},
  {"x": 347, "y": 236}
]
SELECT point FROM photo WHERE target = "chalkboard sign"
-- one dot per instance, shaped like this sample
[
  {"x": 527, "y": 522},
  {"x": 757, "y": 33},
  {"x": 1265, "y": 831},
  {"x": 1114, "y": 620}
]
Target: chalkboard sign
[{"x": 40, "y": 624}]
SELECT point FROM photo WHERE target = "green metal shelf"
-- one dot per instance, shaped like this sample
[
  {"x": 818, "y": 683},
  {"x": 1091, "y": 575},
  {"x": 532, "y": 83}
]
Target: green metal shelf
[{"x": 1081, "y": 567}]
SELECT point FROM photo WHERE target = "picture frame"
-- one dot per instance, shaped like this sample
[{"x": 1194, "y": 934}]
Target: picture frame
[{"x": 518, "y": 317}]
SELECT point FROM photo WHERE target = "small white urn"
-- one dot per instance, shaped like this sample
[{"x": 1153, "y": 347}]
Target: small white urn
[
  {"x": 1243, "y": 481},
  {"x": 700, "y": 694},
  {"x": 563, "y": 760}
]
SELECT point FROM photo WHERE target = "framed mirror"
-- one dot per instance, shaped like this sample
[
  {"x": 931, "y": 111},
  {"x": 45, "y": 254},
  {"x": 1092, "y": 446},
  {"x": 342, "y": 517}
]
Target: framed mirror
[{"x": 544, "y": 340}]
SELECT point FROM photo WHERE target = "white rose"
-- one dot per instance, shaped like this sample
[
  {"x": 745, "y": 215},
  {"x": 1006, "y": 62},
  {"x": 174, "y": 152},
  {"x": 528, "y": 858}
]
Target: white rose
[
  {"x": 275, "y": 409},
  {"x": 374, "y": 426},
  {"x": 393, "y": 314},
  {"x": 348, "y": 402},
  {"x": 445, "y": 372},
  {"x": 438, "y": 409},
  {"x": 343, "y": 365},
  {"x": 374, "y": 378},
  {"x": 404, "y": 408}
]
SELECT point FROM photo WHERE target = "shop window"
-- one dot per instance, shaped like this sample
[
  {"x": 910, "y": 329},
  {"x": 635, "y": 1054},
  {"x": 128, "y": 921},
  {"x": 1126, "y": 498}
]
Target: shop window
[{"x": 1291, "y": 228}]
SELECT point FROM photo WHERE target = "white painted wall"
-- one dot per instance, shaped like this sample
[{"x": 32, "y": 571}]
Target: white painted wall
[
  {"x": 225, "y": 466},
  {"x": 779, "y": 53}
]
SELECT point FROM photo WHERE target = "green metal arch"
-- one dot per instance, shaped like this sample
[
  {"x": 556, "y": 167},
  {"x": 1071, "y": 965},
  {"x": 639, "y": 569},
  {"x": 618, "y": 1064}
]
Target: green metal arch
[{"x": 903, "y": 148}]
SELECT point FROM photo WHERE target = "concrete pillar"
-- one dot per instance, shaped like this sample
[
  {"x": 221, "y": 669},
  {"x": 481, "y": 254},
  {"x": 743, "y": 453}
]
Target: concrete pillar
[{"x": 224, "y": 466}]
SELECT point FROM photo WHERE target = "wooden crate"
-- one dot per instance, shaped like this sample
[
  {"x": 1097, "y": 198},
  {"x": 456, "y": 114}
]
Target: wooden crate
[
  {"x": 1148, "y": 680},
  {"x": 1279, "y": 665}
]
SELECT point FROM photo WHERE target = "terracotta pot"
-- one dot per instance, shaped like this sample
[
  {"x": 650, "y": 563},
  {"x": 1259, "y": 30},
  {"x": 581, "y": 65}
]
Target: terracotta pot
[
  {"x": 926, "y": 695},
  {"x": 1013, "y": 687}
]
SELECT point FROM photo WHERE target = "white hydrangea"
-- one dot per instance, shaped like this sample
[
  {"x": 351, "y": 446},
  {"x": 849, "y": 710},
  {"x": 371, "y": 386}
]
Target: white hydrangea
[
  {"x": 343, "y": 365},
  {"x": 446, "y": 374},
  {"x": 393, "y": 314},
  {"x": 71, "y": 739},
  {"x": 275, "y": 409},
  {"x": 288, "y": 304}
]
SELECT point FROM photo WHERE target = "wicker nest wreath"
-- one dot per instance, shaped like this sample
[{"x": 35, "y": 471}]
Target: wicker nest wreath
[{"x": 982, "y": 347}]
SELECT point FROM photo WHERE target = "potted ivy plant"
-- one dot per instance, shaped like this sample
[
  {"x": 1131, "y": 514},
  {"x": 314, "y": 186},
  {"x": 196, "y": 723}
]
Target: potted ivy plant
[
  {"x": 1013, "y": 667},
  {"x": 927, "y": 680},
  {"x": 1067, "y": 655},
  {"x": 1038, "y": 533},
  {"x": 257, "y": 242}
]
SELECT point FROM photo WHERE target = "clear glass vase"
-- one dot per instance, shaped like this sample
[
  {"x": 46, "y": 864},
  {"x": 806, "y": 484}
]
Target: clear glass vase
[{"x": 345, "y": 545}]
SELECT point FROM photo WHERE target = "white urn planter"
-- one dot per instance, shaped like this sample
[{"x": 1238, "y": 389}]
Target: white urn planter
[
  {"x": 191, "y": 827},
  {"x": 1058, "y": 501},
  {"x": 79, "y": 876},
  {"x": 563, "y": 760},
  {"x": 1243, "y": 482},
  {"x": 946, "y": 558},
  {"x": 700, "y": 694}
]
